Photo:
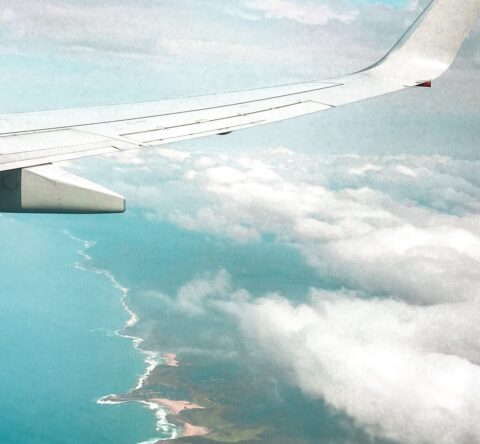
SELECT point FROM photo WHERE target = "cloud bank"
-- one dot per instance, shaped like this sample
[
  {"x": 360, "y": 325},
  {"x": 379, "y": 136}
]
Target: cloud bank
[
  {"x": 395, "y": 345},
  {"x": 402, "y": 372},
  {"x": 161, "y": 32},
  {"x": 392, "y": 226},
  {"x": 306, "y": 13}
]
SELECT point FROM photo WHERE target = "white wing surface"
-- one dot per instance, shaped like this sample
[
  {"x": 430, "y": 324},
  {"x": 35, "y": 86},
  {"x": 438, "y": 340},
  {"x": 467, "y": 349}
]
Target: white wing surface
[{"x": 35, "y": 139}]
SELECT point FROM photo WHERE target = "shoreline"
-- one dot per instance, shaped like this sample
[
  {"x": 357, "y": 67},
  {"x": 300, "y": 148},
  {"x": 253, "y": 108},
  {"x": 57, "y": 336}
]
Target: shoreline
[{"x": 161, "y": 407}]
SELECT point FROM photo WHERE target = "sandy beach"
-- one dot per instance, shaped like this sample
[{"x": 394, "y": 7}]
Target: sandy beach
[
  {"x": 176, "y": 406},
  {"x": 172, "y": 360},
  {"x": 191, "y": 430}
]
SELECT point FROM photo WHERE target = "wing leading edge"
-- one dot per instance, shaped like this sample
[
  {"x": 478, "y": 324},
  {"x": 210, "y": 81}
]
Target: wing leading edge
[{"x": 28, "y": 140}]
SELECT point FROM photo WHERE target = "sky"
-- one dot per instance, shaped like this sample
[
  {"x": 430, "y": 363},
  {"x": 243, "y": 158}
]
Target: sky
[
  {"x": 64, "y": 53},
  {"x": 380, "y": 197}
]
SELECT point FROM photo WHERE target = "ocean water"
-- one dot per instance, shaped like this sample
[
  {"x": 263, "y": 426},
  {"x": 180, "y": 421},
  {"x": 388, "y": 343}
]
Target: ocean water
[
  {"x": 60, "y": 308},
  {"x": 58, "y": 348},
  {"x": 153, "y": 258}
]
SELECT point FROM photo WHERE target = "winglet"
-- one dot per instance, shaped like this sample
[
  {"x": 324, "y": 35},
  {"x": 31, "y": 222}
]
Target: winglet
[{"x": 431, "y": 44}]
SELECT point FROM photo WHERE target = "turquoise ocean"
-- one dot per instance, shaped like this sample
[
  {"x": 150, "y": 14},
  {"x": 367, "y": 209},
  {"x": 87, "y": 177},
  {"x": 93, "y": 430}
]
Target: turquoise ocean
[
  {"x": 59, "y": 352},
  {"x": 58, "y": 348}
]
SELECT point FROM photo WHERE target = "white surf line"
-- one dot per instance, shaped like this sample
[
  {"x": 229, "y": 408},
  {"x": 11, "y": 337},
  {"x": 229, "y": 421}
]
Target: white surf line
[{"x": 153, "y": 359}]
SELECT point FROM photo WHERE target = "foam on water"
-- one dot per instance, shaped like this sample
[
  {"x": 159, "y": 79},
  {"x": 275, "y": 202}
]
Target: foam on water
[{"x": 152, "y": 358}]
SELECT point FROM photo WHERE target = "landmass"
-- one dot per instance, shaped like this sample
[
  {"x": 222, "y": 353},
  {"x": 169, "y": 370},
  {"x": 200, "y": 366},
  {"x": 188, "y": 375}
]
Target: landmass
[
  {"x": 199, "y": 418},
  {"x": 202, "y": 397}
]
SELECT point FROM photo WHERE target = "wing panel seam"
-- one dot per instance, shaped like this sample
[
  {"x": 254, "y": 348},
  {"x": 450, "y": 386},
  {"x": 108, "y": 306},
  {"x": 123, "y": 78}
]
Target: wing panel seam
[{"x": 40, "y": 130}]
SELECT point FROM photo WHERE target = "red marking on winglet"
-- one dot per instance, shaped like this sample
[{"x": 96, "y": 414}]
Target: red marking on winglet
[{"x": 427, "y": 84}]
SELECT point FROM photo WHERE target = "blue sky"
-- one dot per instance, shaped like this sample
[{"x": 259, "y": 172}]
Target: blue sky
[{"x": 68, "y": 53}]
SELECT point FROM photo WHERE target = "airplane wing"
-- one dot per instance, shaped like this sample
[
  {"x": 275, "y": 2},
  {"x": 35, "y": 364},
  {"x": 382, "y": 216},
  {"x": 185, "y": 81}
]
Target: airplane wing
[{"x": 31, "y": 142}]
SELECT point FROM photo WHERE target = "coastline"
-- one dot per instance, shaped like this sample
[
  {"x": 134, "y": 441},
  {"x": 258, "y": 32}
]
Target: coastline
[{"x": 162, "y": 408}]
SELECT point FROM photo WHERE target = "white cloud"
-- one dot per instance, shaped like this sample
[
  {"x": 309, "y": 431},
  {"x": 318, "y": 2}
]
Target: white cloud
[
  {"x": 403, "y": 372},
  {"x": 306, "y": 13},
  {"x": 173, "y": 154},
  {"x": 398, "y": 349},
  {"x": 166, "y": 35},
  {"x": 409, "y": 373},
  {"x": 191, "y": 297},
  {"x": 402, "y": 227}
]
